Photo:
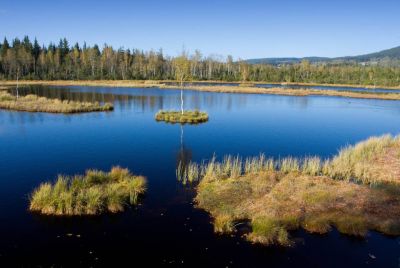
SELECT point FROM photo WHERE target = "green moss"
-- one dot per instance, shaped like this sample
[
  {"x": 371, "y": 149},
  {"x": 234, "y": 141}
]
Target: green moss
[
  {"x": 317, "y": 224},
  {"x": 268, "y": 231},
  {"x": 351, "y": 224}
]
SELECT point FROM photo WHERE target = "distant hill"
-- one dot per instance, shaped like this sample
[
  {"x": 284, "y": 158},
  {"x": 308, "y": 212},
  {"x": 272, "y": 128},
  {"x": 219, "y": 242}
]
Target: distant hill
[{"x": 392, "y": 54}]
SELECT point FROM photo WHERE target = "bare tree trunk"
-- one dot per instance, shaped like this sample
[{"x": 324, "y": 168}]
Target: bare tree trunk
[
  {"x": 182, "y": 100},
  {"x": 182, "y": 96}
]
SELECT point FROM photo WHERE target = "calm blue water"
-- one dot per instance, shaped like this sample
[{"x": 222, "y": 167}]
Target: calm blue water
[{"x": 166, "y": 229}]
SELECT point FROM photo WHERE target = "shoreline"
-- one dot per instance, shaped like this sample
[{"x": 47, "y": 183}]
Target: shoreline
[
  {"x": 214, "y": 88},
  {"x": 149, "y": 83},
  {"x": 293, "y": 92}
]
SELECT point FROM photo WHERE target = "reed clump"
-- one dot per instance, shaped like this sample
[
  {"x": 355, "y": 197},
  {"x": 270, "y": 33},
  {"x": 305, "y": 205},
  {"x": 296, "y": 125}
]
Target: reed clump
[
  {"x": 277, "y": 196},
  {"x": 94, "y": 193},
  {"x": 187, "y": 117},
  {"x": 189, "y": 173},
  {"x": 34, "y": 103}
]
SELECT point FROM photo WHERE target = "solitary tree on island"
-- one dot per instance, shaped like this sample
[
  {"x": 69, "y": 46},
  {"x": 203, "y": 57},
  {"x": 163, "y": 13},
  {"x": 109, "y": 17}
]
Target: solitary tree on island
[{"x": 181, "y": 65}]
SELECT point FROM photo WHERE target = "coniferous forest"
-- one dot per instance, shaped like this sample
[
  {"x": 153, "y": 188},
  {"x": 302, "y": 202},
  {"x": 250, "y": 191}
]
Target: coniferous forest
[{"x": 24, "y": 59}]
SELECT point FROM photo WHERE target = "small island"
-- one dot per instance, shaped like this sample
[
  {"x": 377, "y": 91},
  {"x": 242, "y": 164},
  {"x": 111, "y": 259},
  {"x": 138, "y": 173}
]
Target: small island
[
  {"x": 34, "y": 103},
  {"x": 185, "y": 117},
  {"x": 356, "y": 191},
  {"x": 94, "y": 193}
]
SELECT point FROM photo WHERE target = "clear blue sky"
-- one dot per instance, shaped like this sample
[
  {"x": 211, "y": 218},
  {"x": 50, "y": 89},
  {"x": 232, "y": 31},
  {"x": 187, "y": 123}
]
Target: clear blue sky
[{"x": 246, "y": 29}]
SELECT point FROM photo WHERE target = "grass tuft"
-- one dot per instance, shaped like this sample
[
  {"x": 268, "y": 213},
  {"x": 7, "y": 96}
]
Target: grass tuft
[{"x": 92, "y": 194}]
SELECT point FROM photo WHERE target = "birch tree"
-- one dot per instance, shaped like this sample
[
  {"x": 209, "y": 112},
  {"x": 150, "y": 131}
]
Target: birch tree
[{"x": 181, "y": 65}]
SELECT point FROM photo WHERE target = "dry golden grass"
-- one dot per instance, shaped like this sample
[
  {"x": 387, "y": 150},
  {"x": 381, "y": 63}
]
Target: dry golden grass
[
  {"x": 374, "y": 161},
  {"x": 287, "y": 194},
  {"x": 94, "y": 193},
  {"x": 33, "y": 103}
]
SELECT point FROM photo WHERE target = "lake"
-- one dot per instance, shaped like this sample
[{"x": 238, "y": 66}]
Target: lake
[{"x": 166, "y": 229}]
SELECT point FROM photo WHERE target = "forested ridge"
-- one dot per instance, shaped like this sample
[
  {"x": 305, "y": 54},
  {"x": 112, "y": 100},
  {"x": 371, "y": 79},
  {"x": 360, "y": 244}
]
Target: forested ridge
[{"x": 24, "y": 59}]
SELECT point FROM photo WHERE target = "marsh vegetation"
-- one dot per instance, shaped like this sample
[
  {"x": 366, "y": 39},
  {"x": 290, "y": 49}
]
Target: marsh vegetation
[
  {"x": 34, "y": 103},
  {"x": 94, "y": 193},
  {"x": 185, "y": 117},
  {"x": 356, "y": 191}
]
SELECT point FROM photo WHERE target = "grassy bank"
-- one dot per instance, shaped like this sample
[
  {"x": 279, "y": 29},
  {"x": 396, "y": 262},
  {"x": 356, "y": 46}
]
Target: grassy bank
[
  {"x": 294, "y": 92},
  {"x": 329, "y": 85},
  {"x": 156, "y": 83},
  {"x": 187, "y": 117},
  {"x": 94, "y": 193},
  {"x": 33, "y": 103},
  {"x": 243, "y": 88},
  {"x": 277, "y": 196}
]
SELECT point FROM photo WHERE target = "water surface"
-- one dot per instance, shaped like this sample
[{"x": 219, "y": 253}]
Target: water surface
[{"x": 166, "y": 229}]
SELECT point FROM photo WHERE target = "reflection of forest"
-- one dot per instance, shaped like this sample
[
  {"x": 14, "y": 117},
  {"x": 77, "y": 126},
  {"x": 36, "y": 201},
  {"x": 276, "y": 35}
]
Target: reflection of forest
[
  {"x": 202, "y": 84},
  {"x": 68, "y": 94},
  {"x": 148, "y": 102},
  {"x": 157, "y": 99}
]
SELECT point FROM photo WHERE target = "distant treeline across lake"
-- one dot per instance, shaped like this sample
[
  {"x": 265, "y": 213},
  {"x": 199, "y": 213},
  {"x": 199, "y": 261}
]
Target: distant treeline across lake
[{"x": 23, "y": 59}]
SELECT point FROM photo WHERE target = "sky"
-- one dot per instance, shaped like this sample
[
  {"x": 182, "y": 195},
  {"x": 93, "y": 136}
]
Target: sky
[{"x": 243, "y": 29}]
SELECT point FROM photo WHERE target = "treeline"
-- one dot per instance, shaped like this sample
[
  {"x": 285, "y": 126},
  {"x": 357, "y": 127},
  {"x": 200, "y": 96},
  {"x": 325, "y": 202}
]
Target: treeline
[{"x": 23, "y": 59}]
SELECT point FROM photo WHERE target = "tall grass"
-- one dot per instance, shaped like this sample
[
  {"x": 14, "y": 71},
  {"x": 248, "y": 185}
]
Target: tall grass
[
  {"x": 34, "y": 103},
  {"x": 235, "y": 166},
  {"x": 375, "y": 160},
  {"x": 94, "y": 193},
  {"x": 188, "y": 174}
]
